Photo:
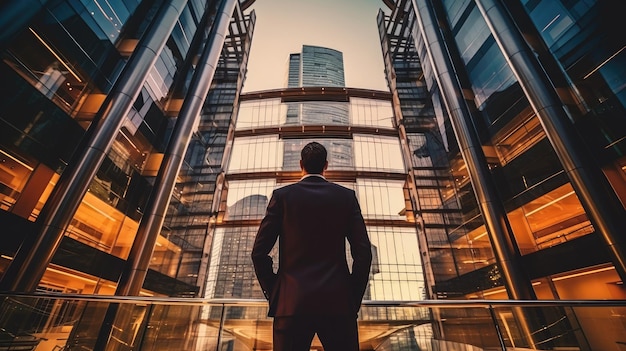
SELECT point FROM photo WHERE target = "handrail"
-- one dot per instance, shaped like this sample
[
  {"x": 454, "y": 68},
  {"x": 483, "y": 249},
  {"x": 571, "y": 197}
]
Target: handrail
[
  {"x": 94, "y": 321},
  {"x": 368, "y": 303}
]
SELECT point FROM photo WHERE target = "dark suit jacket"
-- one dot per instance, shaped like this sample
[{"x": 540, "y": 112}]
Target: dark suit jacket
[{"x": 312, "y": 220}]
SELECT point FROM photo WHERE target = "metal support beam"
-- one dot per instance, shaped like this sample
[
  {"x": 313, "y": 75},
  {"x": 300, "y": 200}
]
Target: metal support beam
[
  {"x": 507, "y": 254},
  {"x": 138, "y": 261},
  {"x": 601, "y": 204},
  {"x": 32, "y": 259}
]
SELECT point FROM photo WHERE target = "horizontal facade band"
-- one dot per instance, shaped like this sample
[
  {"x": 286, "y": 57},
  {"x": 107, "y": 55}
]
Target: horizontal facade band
[
  {"x": 316, "y": 94},
  {"x": 317, "y": 131},
  {"x": 332, "y": 175}
]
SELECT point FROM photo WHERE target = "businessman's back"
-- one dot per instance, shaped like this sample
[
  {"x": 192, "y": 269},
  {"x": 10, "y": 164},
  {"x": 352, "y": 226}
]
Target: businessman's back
[{"x": 313, "y": 290}]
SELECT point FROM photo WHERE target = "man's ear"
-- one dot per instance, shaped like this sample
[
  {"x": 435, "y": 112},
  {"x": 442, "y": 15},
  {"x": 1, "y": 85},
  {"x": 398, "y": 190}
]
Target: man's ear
[
  {"x": 301, "y": 166},
  {"x": 325, "y": 167}
]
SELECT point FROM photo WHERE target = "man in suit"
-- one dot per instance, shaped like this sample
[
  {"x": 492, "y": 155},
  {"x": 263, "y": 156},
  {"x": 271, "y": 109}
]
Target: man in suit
[{"x": 313, "y": 290}]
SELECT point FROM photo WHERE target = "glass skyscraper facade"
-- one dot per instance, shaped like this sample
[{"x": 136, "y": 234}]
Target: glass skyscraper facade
[
  {"x": 316, "y": 66},
  {"x": 94, "y": 101},
  {"x": 365, "y": 154},
  {"x": 518, "y": 161},
  {"x": 132, "y": 164}
]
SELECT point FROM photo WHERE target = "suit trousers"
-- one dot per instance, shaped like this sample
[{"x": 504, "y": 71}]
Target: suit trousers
[{"x": 295, "y": 333}]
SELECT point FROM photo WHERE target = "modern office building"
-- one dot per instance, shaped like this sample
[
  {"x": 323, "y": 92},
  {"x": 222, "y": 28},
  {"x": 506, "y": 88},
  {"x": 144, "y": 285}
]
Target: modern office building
[
  {"x": 99, "y": 102},
  {"x": 132, "y": 164},
  {"x": 519, "y": 167},
  {"x": 316, "y": 66},
  {"x": 357, "y": 126}
]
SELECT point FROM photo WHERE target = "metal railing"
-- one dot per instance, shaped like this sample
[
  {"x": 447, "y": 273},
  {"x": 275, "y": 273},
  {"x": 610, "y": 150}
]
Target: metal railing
[{"x": 48, "y": 322}]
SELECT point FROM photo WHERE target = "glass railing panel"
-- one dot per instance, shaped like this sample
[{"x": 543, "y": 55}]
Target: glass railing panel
[
  {"x": 79, "y": 322},
  {"x": 182, "y": 327},
  {"x": 566, "y": 326},
  {"x": 28, "y": 323},
  {"x": 604, "y": 328}
]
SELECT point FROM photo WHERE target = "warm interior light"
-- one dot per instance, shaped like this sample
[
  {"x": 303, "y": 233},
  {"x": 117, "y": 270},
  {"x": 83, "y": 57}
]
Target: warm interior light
[
  {"x": 130, "y": 141},
  {"x": 55, "y": 55},
  {"x": 504, "y": 290},
  {"x": 480, "y": 236},
  {"x": 72, "y": 275},
  {"x": 16, "y": 160},
  {"x": 99, "y": 211},
  {"x": 548, "y": 204},
  {"x": 580, "y": 274},
  {"x": 6, "y": 257},
  {"x": 475, "y": 261}
]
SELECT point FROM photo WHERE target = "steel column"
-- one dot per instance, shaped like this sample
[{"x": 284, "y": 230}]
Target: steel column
[
  {"x": 601, "y": 204},
  {"x": 507, "y": 254},
  {"x": 138, "y": 261},
  {"x": 31, "y": 260}
]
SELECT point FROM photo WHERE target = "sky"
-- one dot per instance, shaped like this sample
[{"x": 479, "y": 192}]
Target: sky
[{"x": 283, "y": 26}]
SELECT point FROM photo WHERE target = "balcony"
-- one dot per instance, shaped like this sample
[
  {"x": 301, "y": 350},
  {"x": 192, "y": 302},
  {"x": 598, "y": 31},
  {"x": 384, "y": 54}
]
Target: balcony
[{"x": 51, "y": 322}]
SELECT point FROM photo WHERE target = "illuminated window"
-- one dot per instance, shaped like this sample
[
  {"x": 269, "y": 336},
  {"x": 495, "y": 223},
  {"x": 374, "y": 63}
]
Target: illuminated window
[{"x": 396, "y": 266}]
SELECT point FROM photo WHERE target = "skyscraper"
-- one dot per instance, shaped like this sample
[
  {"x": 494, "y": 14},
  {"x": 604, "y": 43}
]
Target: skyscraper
[
  {"x": 492, "y": 169},
  {"x": 98, "y": 106},
  {"x": 357, "y": 127},
  {"x": 519, "y": 166},
  {"x": 316, "y": 66}
]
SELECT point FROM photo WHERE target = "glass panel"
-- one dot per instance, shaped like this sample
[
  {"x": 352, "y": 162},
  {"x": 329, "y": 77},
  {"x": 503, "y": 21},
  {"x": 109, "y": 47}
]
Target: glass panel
[
  {"x": 381, "y": 199},
  {"x": 273, "y": 113},
  {"x": 515, "y": 139},
  {"x": 55, "y": 323},
  {"x": 14, "y": 173},
  {"x": 455, "y": 9},
  {"x": 165, "y": 257},
  {"x": 256, "y": 154},
  {"x": 473, "y": 251},
  {"x": 552, "y": 20},
  {"x": 231, "y": 273},
  {"x": 268, "y": 153},
  {"x": 261, "y": 113},
  {"x": 378, "y": 153},
  {"x": 318, "y": 113},
  {"x": 489, "y": 73},
  {"x": 248, "y": 199},
  {"x": 472, "y": 35},
  {"x": 37, "y": 61},
  {"x": 172, "y": 328},
  {"x": 549, "y": 220},
  {"x": 396, "y": 272},
  {"x": 109, "y": 17},
  {"x": 98, "y": 224},
  {"x": 371, "y": 113}
]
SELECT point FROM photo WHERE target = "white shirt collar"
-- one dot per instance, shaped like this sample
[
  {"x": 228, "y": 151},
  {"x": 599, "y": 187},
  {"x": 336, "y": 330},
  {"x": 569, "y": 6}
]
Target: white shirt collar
[{"x": 313, "y": 175}]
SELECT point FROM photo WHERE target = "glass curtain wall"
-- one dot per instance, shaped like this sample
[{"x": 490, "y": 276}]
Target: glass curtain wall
[
  {"x": 367, "y": 162},
  {"x": 543, "y": 210},
  {"x": 57, "y": 72},
  {"x": 560, "y": 251}
]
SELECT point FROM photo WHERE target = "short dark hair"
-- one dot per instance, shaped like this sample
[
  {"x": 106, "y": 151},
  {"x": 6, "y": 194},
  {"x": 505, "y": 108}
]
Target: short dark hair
[{"x": 313, "y": 157}]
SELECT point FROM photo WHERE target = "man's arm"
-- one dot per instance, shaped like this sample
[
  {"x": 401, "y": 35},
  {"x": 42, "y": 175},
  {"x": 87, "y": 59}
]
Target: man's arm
[
  {"x": 264, "y": 242},
  {"x": 361, "y": 250}
]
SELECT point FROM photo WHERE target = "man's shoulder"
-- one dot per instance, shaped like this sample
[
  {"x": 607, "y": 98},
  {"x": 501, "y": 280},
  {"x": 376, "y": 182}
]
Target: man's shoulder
[
  {"x": 340, "y": 187},
  {"x": 326, "y": 184}
]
